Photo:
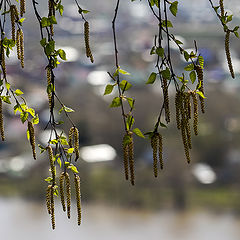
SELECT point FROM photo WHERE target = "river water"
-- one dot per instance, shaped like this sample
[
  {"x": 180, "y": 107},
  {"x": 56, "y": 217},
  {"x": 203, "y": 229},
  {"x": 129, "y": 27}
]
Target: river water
[{"x": 24, "y": 220}]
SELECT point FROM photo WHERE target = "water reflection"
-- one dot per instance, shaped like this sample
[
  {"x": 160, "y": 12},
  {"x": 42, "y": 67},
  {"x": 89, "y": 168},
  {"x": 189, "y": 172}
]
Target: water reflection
[{"x": 26, "y": 220}]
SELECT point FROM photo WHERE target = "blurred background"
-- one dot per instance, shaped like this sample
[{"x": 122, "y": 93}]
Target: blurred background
[{"x": 196, "y": 201}]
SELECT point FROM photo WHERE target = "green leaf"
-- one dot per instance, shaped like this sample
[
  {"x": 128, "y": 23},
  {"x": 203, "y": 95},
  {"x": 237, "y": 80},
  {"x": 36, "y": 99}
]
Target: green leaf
[
  {"x": 138, "y": 132},
  {"x": 125, "y": 85},
  {"x": 70, "y": 150},
  {"x": 85, "y": 11},
  {"x": 200, "y": 94},
  {"x": 6, "y": 99},
  {"x": 160, "y": 52},
  {"x": 73, "y": 168},
  {"x": 130, "y": 121},
  {"x": 63, "y": 140},
  {"x": 169, "y": 23},
  {"x": 163, "y": 125},
  {"x": 24, "y": 116},
  {"x": 174, "y": 8},
  {"x": 21, "y": 20},
  {"x": 62, "y": 54},
  {"x": 18, "y": 92},
  {"x": 192, "y": 76},
  {"x": 68, "y": 109},
  {"x": 54, "y": 141},
  {"x": 189, "y": 67},
  {"x": 45, "y": 22},
  {"x": 151, "y": 78},
  {"x": 7, "y": 85},
  {"x": 50, "y": 48},
  {"x": 186, "y": 56},
  {"x": 35, "y": 120},
  {"x": 59, "y": 162},
  {"x": 126, "y": 140},
  {"x": 31, "y": 111},
  {"x": 109, "y": 89},
  {"x": 115, "y": 102},
  {"x": 43, "y": 42},
  {"x": 130, "y": 102},
  {"x": 166, "y": 74},
  {"x": 123, "y": 71},
  {"x": 49, "y": 179},
  {"x": 52, "y": 20}
]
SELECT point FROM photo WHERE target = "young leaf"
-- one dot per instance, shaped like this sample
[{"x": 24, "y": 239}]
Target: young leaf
[
  {"x": 151, "y": 78},
  {"x": 115, "y": 102},
  {"x": 123, "y": 71},
  {"x": 108, "y": 89},
  {"x": 24, "y": 116},
  {"x": 192, "y": 76},
  {"x": 138, "y": 132},
  {"x": 174, "y": 8},
  {"x": 125, "y": 85},
  {"x": 18, "y": 92},
  {"x": 166, "y": 73},
  {"x": 189, "y": 67}
]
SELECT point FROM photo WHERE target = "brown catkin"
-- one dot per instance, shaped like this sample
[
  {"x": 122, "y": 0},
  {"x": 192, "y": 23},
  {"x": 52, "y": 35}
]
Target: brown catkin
[
  {"x": 22, "y": 7},
  {"x": 221, "y": 7},
  {"x": 166, "y": 99},
  {"x": 32, "y": 138},
  {"x": 48, "y": 198},
  {"x": 125, "y": 159},
  {"x": 18, "y": 45},
  {"x": 51, "y": 12},
  {"x": 78, "y": 197},
  {"x": 160, "y": 150},
  {"x": 1, "y": 121},
  {"x": 68, "y": 194},
  {"x": 52, "y": 208},
  {"x": 61, "y": 190},
  {"x": 154, "y": 145},
  {"x": 188, "y": 133},
  {"x": 187, "y": 105},
  {"x": 195, "y": 112},
  {"x": 87, "y": 41},
  {"x": 131, "y": 159},
  {"x": 49, "y": 81},
  {"x": 76, "y": 143},
  {"x": 178, "y": 107},
  {"x": 228, "y": 55},
  {"x": 21, "y": 48},
  {"x": 12, "y": 17},
  {"x": 52, "y": 165},
  {"x": 3, "y": 63},
  {"x": 70, "y": 136},
  {"x": 201, "y": 89},
  {"x": 185, "y": 141}
]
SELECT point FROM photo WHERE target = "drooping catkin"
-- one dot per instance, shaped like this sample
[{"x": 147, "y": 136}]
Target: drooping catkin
[
  {"x": 68, "y": 194},
  {"x": 21, "y": 48},
  {"x": 188, "y": 133},
  {"x": 52, "y": 208},
  {"x": 12, "y": 17},
  {"x": 187, "y": 105},
  {"x": 160, "y": 150},
  {"x": 32, "y": 139},
  {"x": 3, "y": 63},
  {"x": 22, "y": 7},
  {"x": 195, "y": 113},
  {"x": 228, "y": 55},
  {"x": 61, "y": 190},
  {"x": 76, "y": 143},
  {"x": 201, "y": 89},
  {"x": 49, "y": 81},
  {"x": 166, "y": 99},
  {"x": 48, "y": 198},
  {"x": 87, "y": 41},
  {"x": 221, "y": 7},
  {"x": 125, "y": 159},
  {"x": 51, "y": 12},
  {"x": 185, "y": 141},
  {"x": 18, "y": 45},
  {"x": 178, "y": 107},
  {"x": 78, "y": 197},
  {"x": 131, "y": 159},
  {"x": 52, "y": 165},
  {"x": 154, "y": 145},
  {"x": 70, "y": 136},
  {"x": 1, "y": 121}
]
